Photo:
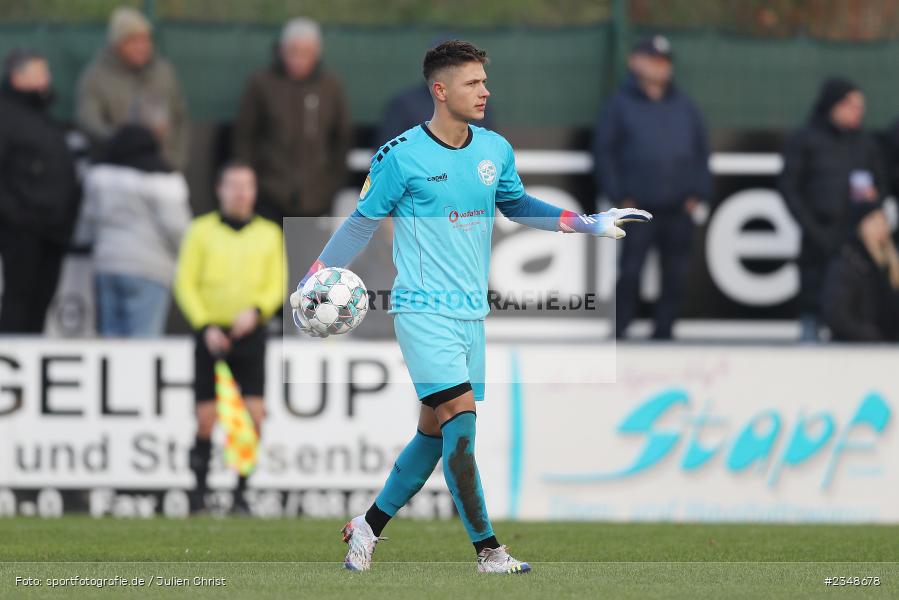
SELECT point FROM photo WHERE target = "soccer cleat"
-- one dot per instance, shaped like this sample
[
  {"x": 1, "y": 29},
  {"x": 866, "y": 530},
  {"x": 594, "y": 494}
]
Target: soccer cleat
[
  {"x": 197, "y": 502},
  {"x": 362, "y": 541},
  {"x": 497, "y": 560},
  {"x": 239, "y": 507}
]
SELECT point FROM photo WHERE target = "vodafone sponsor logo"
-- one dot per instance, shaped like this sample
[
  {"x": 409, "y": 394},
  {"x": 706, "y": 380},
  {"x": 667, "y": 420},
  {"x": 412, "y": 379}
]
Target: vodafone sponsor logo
[
  {"x": 468, "y": 220},
  {"x": 455, "y": 215}
]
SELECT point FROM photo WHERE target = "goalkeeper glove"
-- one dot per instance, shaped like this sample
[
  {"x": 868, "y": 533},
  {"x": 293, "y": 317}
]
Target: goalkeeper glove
[
  {"x": 604, "y": 224},
  {"x": 296, "y": 299}
]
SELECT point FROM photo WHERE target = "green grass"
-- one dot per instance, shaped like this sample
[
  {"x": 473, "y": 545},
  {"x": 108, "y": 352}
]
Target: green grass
[{"x": 302, "y": 559}]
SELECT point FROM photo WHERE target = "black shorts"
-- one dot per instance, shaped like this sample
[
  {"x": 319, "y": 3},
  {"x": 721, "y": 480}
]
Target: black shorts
[{"x": 246, "y": 360}]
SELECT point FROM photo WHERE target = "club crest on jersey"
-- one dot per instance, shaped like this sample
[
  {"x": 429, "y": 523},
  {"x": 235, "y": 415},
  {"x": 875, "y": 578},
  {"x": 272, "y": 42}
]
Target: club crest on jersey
[
  {"x": 365, "y": 187},
  {"x": 487, "y": 172}
]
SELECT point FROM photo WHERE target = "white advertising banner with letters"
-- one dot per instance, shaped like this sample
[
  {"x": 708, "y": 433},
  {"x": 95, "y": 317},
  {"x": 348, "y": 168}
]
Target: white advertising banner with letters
[
  {"x": 119, "y": 415},
  {"x": 716, "y": 433},
  {"x": 732, "y": 296},
  {"x": 687, "y": 433}
]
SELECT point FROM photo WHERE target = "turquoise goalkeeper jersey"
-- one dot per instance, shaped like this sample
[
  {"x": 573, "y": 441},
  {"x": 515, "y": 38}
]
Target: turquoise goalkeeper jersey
[{"x": 443, "y": 201}]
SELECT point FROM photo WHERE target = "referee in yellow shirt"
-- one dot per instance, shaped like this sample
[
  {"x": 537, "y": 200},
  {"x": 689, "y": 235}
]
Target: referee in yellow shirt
[{"x": 230, "y": 281}]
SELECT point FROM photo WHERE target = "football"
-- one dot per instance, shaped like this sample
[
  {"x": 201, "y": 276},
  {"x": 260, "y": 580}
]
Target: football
[{"x": 334, "y": 301}]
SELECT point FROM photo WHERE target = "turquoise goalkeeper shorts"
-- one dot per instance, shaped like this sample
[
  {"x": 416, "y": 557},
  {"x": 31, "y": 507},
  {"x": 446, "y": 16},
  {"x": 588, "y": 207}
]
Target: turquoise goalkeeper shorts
[{"x": 442, "y": 353}]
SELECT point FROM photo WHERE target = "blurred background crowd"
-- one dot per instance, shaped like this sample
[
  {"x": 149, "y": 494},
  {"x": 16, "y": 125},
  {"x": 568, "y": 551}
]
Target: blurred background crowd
[{"x": 120, "y": 166}]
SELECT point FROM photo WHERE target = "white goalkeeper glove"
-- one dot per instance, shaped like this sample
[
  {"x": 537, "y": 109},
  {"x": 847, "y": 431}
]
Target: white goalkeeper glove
[
  {"x": 299, "y": 319},
  {"x": 604, "y": 224},
  {"x": 296, "y": 302}
]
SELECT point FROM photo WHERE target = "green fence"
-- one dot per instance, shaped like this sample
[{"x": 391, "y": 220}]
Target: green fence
[
  {"x": 750, "y": 82},
  {"x": 464, "y": 13},
  {"x": 538, "y": 76}
]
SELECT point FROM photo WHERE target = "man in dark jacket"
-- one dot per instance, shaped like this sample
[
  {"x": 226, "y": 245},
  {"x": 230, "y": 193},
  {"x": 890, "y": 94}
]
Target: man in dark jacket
[
  {"x": 860, "y": 300},
  {"x": 293, "y": 127},
  {"x": 890, "y": 145},
  {"x": 38, "y": 194},
  {"x": 650, "y": 149},
  {"x": 829, "y": 165}
]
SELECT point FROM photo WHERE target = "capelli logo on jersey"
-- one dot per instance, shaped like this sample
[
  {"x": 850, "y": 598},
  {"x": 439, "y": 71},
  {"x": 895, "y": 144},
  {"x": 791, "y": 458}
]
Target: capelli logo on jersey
[{"x": 441, "y": 177}]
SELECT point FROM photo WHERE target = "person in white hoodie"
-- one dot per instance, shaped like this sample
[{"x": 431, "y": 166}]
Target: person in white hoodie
[{"x": 135, "y": 212}]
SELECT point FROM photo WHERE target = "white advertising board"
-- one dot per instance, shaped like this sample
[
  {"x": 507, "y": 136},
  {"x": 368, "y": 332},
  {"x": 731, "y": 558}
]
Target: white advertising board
[
  {"x": 721, "y": 434},
  {"x": 687, "y": 433}
]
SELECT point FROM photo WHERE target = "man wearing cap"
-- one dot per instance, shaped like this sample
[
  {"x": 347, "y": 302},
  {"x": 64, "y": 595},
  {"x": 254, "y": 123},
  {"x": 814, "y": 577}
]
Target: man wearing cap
[
  {"x": 650, "y": 149},
  {"x": 127, "y": 82},
  {"x": 830, "y": 166},
  {"x": 294, "y": 128}
]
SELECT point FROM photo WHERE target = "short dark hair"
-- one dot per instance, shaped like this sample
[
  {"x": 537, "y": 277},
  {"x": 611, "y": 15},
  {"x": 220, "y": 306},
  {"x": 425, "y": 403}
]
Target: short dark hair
[
  {"x": 232, "y": 165},
  {"x": 18, "y": 58},
  {"x": 451, "y": 53}
]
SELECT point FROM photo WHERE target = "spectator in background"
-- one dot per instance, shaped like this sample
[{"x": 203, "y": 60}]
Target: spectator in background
[
  {"x": 890, "y": 144},
  {"x": 230, "y": 280},
  {"x": 136, "y": 211},
  {"x": 860, "y": 301},
  {"x": 38, "y": 193},
  {"x": 293, "y": 127},
  {"x": 829, "y": 164},
  {"x": 650, "y": 150},
  {"x": 128, "y": 82}
]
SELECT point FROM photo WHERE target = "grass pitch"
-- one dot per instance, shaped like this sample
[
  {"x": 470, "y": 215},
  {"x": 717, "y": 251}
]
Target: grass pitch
[{"x": 302, "y": 559}]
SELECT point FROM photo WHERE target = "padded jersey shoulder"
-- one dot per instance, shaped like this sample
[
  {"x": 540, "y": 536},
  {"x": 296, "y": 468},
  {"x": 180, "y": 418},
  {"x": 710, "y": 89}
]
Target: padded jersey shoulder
[{"x": 393, "y": 148}]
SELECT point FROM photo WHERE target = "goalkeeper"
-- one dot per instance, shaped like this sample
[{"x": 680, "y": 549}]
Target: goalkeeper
[{"x": 442, "y": 181}]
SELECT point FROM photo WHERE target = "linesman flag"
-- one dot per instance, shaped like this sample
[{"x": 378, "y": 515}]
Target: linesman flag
[{"x": 241, "y": 441}]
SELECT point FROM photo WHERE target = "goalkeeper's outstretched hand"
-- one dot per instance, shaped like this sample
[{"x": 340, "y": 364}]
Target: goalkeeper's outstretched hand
[{"x": 604, "y": 224}]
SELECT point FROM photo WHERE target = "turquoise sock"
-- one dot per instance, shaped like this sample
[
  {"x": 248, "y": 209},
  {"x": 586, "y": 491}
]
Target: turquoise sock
[
  {"x": 462, "y": 477},
  {"x": 410, "y": 471}
]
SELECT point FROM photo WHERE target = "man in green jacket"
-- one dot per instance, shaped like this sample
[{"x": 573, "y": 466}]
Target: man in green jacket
[{"x": 127, "y": 82}]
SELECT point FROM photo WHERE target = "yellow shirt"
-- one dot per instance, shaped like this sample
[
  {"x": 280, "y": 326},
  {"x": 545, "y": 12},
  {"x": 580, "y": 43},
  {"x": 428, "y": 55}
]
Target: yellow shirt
[{"x": 222, "y": 271}]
